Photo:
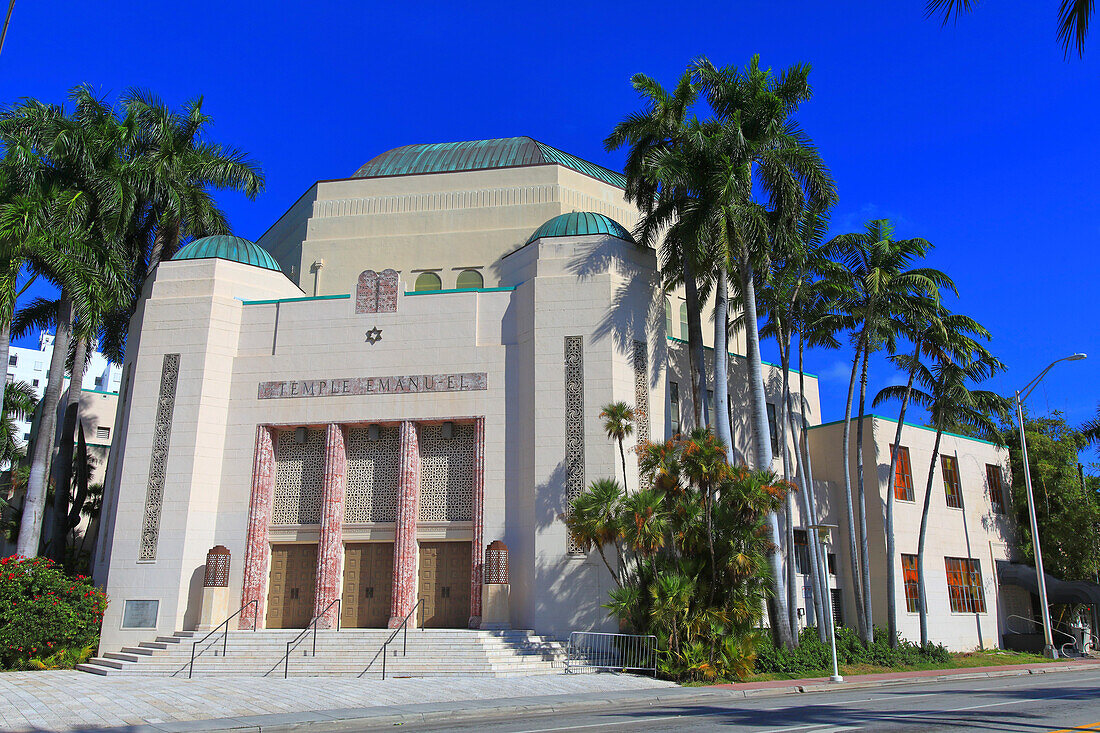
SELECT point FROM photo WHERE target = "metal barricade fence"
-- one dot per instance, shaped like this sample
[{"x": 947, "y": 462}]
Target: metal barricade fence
[{"x": 591, "y": 650}]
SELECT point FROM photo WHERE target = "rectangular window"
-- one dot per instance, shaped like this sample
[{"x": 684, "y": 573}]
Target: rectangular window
[
  {"x": 903, "y": 475},
  {"x": 34, "y": 382},
  {"x": 831, "y": 558},
  {"x": 13, "y": 359},
  {"x": 801, "y": 552},
  {"x": 951, "y": 485},
  {"x": 996, "y": 487},
  {"x": 38, "y": 366},
  {"x": 964, "y": 585},
  {"x": 674, "y": 406},
  {"x": 912, "y": 587},
  {"x": 838, "y": 608},
  {"x": 98, "y": 382},
  {"x": 102, "y": 433},
  {"x": 684, "y": 321},
  {"x": 773, "y": 429}
]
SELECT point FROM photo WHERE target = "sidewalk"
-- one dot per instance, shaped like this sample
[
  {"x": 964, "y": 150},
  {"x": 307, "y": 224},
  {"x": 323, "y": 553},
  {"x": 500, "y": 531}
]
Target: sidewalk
[{"x": 77, "y": 701}]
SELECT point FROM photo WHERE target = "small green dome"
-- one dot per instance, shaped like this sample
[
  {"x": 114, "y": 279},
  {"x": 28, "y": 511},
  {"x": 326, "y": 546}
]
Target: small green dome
[
  {"x": 228, "y": 247},
  {"x": 580, "y": 223}
]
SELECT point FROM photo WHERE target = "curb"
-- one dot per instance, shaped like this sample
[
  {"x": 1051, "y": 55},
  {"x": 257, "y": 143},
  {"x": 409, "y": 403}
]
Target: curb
[{"x": 435, "y": 713}]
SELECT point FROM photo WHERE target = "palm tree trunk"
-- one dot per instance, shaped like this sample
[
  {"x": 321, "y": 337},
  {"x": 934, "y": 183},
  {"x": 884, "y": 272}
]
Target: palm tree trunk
[
  {"x": 762, "y": 447},
  {"x": 921, "y": 594},
  {"x": 865, "y": 559},
  {"x": 891, "y": 546},
  {"x": 63, "y": 467},
  {"x": 622, "y": 455},
  {"x": 723, "y": 429},
  {"x": 34, "y": 503},
  {"x": 853, "y": 548},
  {"x": 811, "y": 507},
  {"x": 696, "y": 358},
  {"x": 788, "y": 504},
  {"x": 164, "y": 244},
  {"x": 5, "y": 349}
]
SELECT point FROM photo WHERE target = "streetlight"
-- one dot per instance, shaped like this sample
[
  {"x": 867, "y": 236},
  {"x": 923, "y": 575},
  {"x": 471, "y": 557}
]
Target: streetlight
[
  {"x": 1022, "y": 394},
  {"x": 823, "y": 534}
]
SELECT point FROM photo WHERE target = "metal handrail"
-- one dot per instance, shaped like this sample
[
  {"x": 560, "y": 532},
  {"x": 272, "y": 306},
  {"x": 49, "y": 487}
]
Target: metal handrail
[
  {"x": 311, "y": 625},
  {"x": 225, "y": 636},
  {"x": 1072, "y": 639},
  {"x": 404, "y": 640}
]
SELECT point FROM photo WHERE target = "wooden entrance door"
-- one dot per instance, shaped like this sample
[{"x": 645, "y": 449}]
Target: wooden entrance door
[
  {"x": 293, "y": 579},
  {"x": 368, "y": 581},
  {"x": 445, "y": 584}
]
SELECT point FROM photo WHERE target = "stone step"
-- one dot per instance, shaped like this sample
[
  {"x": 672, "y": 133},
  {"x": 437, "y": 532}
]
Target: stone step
[
  {"x": 144, "y": 651},
  {"x": 123, "y": 657}
]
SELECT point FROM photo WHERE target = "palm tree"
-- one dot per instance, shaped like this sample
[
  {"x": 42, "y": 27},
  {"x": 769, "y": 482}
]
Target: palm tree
[
  {"x": 950, "y": 402},
  {"x": 656, "y": 131},
  {"x": 618, "y": 423},
  {"x": 885, "y": 296},
  {"x": 177, "y": 171},
  {"x": 1073, "y": 19},
  {"x": 19, "y": 402},
  {"x": 946, "y": 336},
  {"x": 594, "y": 521},
  {"x": 756, "y": 146}
]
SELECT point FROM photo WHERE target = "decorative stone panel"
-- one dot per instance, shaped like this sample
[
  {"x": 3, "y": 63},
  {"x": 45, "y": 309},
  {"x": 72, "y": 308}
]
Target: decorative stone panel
[
  {"x": 158, "y": 461},
  {"x": 299, "y": 468},
  {"x": 641, "y": 393},
  {"x": 376, "y": 292},
  {"x": 373, "y": 468},
  {"x": 257, "y": 548},
  {"x": 446, "y": 474},
  {"x": 574, "y": 424}
]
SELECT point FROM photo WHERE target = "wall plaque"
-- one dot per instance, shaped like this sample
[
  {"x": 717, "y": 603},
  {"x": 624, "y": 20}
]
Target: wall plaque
[{"x": 399, "y": 384}]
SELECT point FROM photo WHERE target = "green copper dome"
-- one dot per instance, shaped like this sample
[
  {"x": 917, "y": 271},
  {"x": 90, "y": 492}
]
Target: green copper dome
[
  {"x": 227, "y": 247},
  {"x": 579, "y": 223},
  {"x": 505, "y": 152}
]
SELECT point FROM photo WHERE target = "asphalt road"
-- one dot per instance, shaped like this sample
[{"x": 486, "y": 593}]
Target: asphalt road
[{"x": 1063, "y": 701}]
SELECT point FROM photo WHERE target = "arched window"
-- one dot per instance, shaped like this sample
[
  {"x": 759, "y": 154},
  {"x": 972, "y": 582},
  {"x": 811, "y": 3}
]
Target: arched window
[
  {"x": 684, "y": 321},
  {"x": 426, "y": 281},
  {"x": 668, "y": 318},
  {"x": 470, "y": 279}
]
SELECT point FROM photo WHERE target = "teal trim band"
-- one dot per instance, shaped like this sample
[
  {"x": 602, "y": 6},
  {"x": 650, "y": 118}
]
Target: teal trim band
[
  {"x": 739, "y": 356},
  {"x": 461, "y": 290},
  {"x": 295, "y": 300},
  {"x": 909, "y": 425},
  {"x": 99, "y": 391}
]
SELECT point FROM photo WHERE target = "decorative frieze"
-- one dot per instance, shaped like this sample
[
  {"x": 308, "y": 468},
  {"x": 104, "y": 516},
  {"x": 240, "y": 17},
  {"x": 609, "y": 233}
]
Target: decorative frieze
[
  {"x": 158, "y": 461},
  {"x": 373, "y": 473},
  {"x": 299, "y": 469},
  {"x": 574, "y": 424},
  {"x": 447, "y": 473},
  {"x": 399, "y": 384}
]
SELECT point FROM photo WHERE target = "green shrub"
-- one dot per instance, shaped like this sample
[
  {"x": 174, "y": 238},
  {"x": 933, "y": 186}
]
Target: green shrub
[
  {"x": 811, "y": 655},
  {"x": 47, "y": 619}
]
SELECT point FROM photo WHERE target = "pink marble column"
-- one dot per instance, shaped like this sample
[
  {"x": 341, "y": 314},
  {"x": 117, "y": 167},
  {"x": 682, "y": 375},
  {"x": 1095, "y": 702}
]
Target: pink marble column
[
  {"x": 477, "y": 560},
  {"x": 257, "y": 547},
  {"x": 330, "y": 549},
  {"x": 408, "y": 509}
]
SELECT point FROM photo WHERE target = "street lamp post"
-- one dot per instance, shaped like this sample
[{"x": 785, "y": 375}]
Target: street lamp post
[
  {"x": 1049, "y": 650},
  {"x": 823, "y": 533}
]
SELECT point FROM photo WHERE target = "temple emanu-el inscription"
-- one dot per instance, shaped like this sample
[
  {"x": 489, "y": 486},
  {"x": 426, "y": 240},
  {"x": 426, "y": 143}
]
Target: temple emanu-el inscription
[{"x": 399, "y": 384}]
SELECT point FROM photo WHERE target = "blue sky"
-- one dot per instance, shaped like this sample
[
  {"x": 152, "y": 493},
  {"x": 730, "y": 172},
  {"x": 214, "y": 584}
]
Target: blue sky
[{"x": 978, "y": 136}]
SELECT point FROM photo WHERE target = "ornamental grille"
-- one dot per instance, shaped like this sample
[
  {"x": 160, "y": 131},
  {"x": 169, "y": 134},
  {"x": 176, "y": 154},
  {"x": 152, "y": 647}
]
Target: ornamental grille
[
  {"x": 496, "y": 563},
  {"x": 299, "y": 468},
  {"x": 373, "y": 468},
  {"x": 217, "y": 568},
  {"x": 641, "y": 394},
  {"x": 158, "y": 460},
  {"x": 447, "y": 474},
  {"x": 574, "y": 427}
]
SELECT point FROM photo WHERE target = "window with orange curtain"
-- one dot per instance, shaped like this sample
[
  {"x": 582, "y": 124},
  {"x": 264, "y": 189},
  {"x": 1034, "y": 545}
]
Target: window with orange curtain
[
  {"x": 912, "y": 588},
  {"x": 996, "y": 487},
  {"x": 951, "y": 481},
  {"x": 903, "y": 474},
  {"x": 964, "y": 585}
]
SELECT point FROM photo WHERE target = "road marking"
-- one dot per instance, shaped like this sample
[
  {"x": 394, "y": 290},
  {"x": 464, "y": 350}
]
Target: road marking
[
  {"x": 600, "y": 725},
  {"x": 1090, "y": 726}
]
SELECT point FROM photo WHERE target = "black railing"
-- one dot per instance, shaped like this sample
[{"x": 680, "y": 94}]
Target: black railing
[
  {"x": 225, "y": 634},
  {"x": 404, "y": 625},
  {"x": 311, "y": 625}
]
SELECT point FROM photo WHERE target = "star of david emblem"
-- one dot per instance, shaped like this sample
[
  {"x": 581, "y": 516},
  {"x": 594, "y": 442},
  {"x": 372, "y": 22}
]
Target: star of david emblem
[{"x": 374, "y": 335}]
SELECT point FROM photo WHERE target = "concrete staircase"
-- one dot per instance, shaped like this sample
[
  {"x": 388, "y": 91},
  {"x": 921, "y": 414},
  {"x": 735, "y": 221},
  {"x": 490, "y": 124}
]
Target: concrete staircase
[{"x": 345, "y": 653}]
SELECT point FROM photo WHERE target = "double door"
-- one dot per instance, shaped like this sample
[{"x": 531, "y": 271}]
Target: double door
[
  {"x": 293, "y": 582},
  {"x": 444, "y": 585},
  {"x": 368, "y": 585}
]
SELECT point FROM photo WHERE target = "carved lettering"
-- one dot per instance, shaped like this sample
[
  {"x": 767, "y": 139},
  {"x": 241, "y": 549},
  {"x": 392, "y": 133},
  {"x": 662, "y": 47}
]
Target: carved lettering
[{"x": 396, "y": 384}]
